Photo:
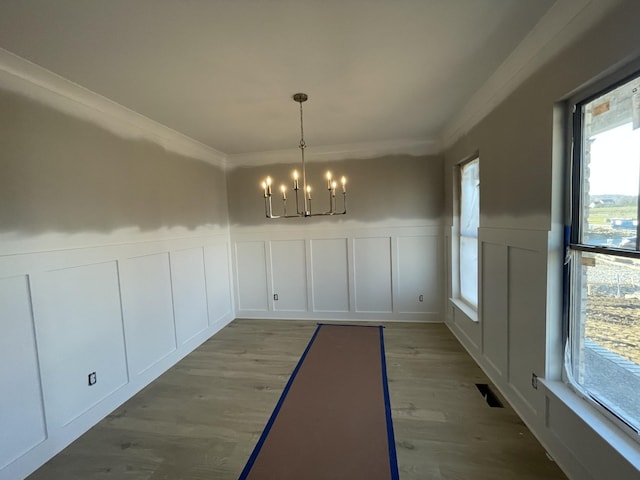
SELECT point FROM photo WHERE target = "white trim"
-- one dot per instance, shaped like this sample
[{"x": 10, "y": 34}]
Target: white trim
[
  {"x": 613, "y": 435},
  {"x": 563, "y": 23},
  {"x": 24, "y": 77},
  {"x": 464, "y": 307},
  {"x": 354, "y": 316},
  {"x": 351, "y": 151}
]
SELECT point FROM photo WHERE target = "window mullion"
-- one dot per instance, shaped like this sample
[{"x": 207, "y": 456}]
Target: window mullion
[{"x": 603, "y": 277}]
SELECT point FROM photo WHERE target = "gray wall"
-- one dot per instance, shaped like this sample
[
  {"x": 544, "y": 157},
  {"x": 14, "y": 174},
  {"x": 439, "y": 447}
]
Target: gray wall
[
  {"x": 392, "y": 187},
  {"x": 62, "y": 174}
]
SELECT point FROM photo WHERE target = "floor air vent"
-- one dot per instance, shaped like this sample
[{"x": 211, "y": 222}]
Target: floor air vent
[{"x": 490, "y": 397}]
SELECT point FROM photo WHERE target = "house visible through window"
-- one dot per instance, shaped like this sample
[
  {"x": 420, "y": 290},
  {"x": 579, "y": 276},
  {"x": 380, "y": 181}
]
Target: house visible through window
[
  {"x": 603, "y": 345},
  {"x": 469, "y": 221}
]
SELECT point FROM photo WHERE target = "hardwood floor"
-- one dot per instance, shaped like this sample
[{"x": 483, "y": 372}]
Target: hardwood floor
[{"x": 202, "y": 418}]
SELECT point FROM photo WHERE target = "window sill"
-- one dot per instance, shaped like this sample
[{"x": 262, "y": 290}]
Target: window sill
[
  {"x": 607, "y": 430},
  {"x": 465, "y": 308}
]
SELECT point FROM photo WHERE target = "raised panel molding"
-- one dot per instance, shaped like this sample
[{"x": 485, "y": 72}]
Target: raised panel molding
[
  {"x": 79, "y": 297},
  {"x": 217, "y": 272},
  {"x": 351, "y": 274},
  {"x": 79, "y": 331},
  {"x": 147, "y": 308},
  {"x": 330, "y": 275},
  {"x": 251, "y": 276},
  {"x": 22, "y": 422},
  {"x": 289, "y": 275},
  {"x": 419, "y": 274},
  {"x": 494, "y": 288},
  {"x": 519, "y": 258},
  {"x": 513, "y": 302},
  {"x": 372, "y": 272},
  {"x": 190, "y": 308},
  {"x": 527, "y": 310}
]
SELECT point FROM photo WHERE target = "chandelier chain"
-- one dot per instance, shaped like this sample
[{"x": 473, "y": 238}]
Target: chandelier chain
[{"x": 302, "y": 142}]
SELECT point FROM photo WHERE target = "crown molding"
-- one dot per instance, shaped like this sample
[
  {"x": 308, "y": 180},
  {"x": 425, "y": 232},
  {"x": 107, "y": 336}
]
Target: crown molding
[
  {"x": 26, "y": 78},
  {"x": 350, "y": 151},
  {"x": 562, "y": 24}
]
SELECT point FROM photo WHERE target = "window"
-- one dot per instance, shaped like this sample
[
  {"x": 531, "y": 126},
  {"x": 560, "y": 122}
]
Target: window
[
  {"x": 603, "y": 345},
  {"x": 469, "y": 216}
]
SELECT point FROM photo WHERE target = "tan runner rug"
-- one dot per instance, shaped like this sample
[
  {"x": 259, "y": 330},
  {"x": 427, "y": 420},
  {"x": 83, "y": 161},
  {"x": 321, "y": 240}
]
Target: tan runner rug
[{"x": 333, "y": 420}]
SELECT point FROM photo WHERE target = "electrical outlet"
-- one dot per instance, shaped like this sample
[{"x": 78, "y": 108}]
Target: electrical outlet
[
  {"x": 421, "y": 298},
  {"x": 275, "y": 296},
  {"x": 534, "y": 381},
  {"x": 92, "y": 378}
]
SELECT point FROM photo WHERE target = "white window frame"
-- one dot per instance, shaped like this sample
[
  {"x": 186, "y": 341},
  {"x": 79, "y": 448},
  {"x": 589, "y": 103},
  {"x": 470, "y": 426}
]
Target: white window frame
[
  {"x": 465, "y": 305},
  {"x": 574, "y": 247}
]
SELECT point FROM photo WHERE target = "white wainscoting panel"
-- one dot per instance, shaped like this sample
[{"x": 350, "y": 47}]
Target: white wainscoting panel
[
  {"x": 22, "y": 424},
  {"x": 251, "y": 275},
  {"x": 372, "y": 269},
  {"x": 188, "y": 283},
  {"x": 419, "y": 274},
  {"x": 147, "y": 308},
  {"x": 106, "y": 309},
  {"x": 79, "y": 330},
  {"x": 329, "y": 275},
  {"x": 510, "y": 344},
  {"x": 289, "y": 275},
  {"x": 340, "y": 272},
  {"x": 495, "y": 326},
  {"x": 527, "y": 309},
  {"x": 216, "y": 260}
]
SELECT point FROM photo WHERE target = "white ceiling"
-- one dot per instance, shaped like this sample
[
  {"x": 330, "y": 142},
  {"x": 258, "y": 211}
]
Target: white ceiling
[{"x": 223, "y": 72}]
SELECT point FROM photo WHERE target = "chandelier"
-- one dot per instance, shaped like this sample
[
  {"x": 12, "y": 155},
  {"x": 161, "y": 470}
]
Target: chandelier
[{"x": 306, "y": 189}]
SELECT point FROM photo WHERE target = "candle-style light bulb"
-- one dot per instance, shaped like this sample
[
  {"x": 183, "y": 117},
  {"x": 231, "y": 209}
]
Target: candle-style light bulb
[
  {"x": 329, "y": 180},
  {"x": 309, "y": 192},
  {"x": 333, "y": 188},
  {"x": 264, "y": 187},
  {"x": 269, "y": 185},
  {"x": 343, "y": 181},
  {"x": 295, "y": 180},
  {"x": 283, "y": 189}
]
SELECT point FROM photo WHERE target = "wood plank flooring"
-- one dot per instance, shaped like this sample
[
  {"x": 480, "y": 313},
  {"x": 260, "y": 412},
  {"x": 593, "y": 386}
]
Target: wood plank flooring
[{"x": 202, "y": 418}]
